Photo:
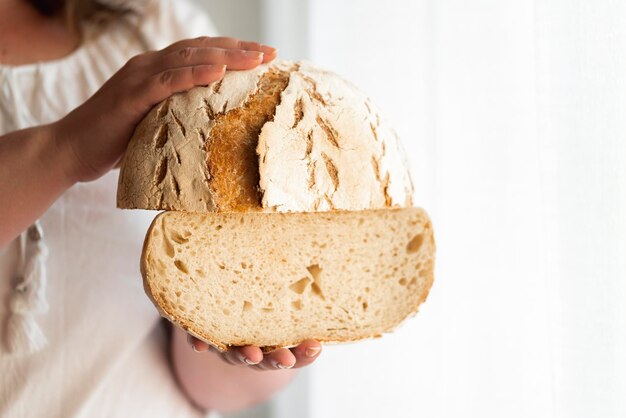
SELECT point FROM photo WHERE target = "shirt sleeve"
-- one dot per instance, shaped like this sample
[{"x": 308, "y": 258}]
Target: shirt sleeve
[{"x": 166, "y": 21}]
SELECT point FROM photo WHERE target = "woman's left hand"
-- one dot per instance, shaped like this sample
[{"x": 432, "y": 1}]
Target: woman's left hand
[{"x": 250, "y": 356}]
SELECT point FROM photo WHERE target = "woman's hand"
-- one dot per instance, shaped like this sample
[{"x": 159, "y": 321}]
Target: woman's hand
[
  {"x": 210, "y": 380},
  {"x": 252, "y": 357},
  {"x": 94, "y": 135}
]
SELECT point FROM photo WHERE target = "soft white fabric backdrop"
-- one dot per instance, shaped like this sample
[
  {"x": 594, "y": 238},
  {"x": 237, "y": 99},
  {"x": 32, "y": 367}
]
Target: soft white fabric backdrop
[{"x": 513, "y": 114}]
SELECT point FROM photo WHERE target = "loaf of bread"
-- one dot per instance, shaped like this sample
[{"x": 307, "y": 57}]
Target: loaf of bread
[{"x": 289, "y": 211}]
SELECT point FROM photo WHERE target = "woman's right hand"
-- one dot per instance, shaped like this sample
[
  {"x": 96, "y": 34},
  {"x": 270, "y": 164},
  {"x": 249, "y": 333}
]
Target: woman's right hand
[{"x": 94, "y": 136}]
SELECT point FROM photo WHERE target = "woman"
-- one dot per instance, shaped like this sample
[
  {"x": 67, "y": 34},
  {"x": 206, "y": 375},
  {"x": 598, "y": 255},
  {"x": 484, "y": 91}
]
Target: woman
[{"x": 67, "y": 110}]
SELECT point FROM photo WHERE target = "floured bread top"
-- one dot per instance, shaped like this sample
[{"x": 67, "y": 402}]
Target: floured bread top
[{"x": 283, "y": 137}]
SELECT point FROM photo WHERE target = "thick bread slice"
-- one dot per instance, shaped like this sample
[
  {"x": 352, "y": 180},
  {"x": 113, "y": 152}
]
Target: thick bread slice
[{"x": 276, "y": 279}]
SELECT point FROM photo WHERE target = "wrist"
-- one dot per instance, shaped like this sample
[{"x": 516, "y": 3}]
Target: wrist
[{"x": 70, "y": 167}]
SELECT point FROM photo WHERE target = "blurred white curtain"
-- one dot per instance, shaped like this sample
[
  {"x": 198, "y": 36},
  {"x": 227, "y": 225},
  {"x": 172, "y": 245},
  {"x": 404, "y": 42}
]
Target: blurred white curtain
[{"x": 514, "y": 115}]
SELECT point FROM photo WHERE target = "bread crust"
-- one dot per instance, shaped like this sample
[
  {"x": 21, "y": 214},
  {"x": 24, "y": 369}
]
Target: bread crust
[{"x": 323, "y": 145}]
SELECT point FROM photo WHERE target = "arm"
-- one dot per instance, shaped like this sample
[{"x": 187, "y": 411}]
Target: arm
[
  {"x": 38, "y": 164},
  {"x": 225, "y": 381},
  {"x": 33, "y": 174}
]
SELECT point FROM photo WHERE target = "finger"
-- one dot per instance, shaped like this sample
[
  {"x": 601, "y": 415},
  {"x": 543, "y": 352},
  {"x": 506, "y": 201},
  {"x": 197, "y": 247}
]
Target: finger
[
  {"x": 278, "y": 359},
  {"x": 197, "y": 345},
  {"x": 234, "y": 59},
  {"x": 252, "y": 355},
  {"x": 306, "y": 352},
  {"x": 269, "y": 56},
  {"x": 220, "y": 42},
  {"x": 229, "y": 357},
  {"x": 244, "y": 356},
  {"x": 162, "y": 85},
  {"x": 118, "y": 164}
]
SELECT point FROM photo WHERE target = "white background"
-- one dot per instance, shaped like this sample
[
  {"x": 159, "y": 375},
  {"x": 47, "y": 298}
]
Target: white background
[{"x": 514, "y": 117}]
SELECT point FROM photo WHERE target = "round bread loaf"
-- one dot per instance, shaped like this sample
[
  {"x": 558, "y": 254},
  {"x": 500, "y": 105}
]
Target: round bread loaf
[{"x": 284, "y": 137}]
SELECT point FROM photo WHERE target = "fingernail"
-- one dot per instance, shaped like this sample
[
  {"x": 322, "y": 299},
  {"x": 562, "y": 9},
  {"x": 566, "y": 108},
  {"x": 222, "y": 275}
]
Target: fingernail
[
  {"x": 269, "y": 49},
  {"x": 312, "y": 351},
  {"x": 250, "y": 362},
  {"x": 283, "y": 366},
  {"x": 193, "y": 347}
]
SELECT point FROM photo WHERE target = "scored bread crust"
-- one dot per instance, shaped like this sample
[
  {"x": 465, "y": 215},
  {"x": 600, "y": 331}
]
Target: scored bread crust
[
  {"x": 320, "y": 144},
  {"x": 176, "y": 293}
]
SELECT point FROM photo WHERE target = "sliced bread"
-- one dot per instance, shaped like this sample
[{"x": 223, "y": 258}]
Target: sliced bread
[{"x": 276, "y": 279}]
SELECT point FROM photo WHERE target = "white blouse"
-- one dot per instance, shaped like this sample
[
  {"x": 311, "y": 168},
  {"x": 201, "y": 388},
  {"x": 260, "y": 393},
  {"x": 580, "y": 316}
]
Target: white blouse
[{"x": 106, "y": 355}]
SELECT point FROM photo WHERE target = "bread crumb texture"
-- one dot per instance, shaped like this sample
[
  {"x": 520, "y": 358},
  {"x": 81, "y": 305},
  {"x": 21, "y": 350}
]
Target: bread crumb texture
[
  {"x": 286, "y": 137},
  {"x": 336, "y": 277}
]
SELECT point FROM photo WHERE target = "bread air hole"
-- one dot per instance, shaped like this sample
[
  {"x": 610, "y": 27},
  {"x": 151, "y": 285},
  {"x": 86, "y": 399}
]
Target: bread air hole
[
  {"x": 364, "y": 305},
  {"x": 299, "y": 286},
  {"x": 315, "y": 271},
  {"x": 181, "y": 266},
  {"x": 402, "y": 281},
  {"x": 179, "y": 238},
  {"x": 168, "y": 247},
  {"x": 317, "y": 291},
  {"x": 414, "y": 245},
  {"x": 247, "y": 306},
  {"x": 297, "y": 304}
]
